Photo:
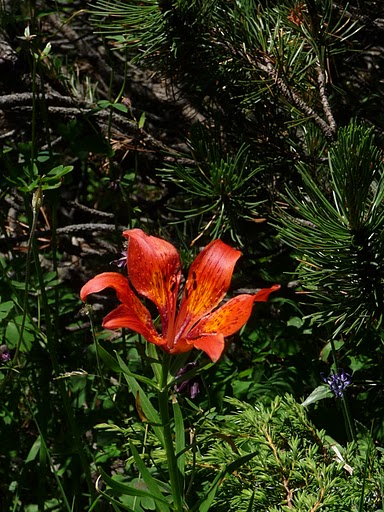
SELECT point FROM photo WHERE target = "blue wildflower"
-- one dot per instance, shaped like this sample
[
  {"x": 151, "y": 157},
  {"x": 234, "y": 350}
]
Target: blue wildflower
[{"x": 338, "y": 382}]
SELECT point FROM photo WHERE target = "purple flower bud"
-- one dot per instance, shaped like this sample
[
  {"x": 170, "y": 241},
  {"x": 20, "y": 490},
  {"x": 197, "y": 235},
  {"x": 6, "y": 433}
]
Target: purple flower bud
[
  {"x": 121, "y": 262},
  {"x": 5, "y": 355},
  {"x": 191, "y": 386},
  {"x": 337, "y": 382}
]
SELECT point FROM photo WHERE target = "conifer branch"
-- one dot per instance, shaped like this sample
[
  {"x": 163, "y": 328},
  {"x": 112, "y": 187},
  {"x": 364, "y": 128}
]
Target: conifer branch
[
  {"x": 324, "y": 99},
  {"x": 293, "y": 98}
]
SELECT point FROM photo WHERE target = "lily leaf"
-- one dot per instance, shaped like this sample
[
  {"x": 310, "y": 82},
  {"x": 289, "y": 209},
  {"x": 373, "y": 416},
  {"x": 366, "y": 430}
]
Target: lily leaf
[
  {"x": 124, "y": 368},
  {"x": 108, "y": 359},
  {"x": 150, "y": 413},
  {"x": 179, "y": 436},
  {"x": 155, "y": 363},
  {"x": 154, "y": 490},
  {"x": 121, "y": 488}
]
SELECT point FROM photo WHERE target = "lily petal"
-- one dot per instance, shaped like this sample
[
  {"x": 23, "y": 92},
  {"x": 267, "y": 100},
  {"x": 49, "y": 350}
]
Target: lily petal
[
  {"x": 154, "y": 271},
  {"x": 122, "y": 316},
  {"x": 232, "y": 315},
  {"x": 108, "y": 280},
  {"x": 208, "y": 281},
  {"x": 131, "y": 314},
  {"x": 211, "y": 344},
  {"x": 263, "y": 294},
  {"x": 227, "y": 319}
]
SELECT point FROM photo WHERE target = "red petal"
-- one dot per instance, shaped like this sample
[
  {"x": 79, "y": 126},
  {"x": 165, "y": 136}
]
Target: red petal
[
  {"x": 263, "y": 294},
  {"x": 108, "y": 280},
  {"x": 154, "y": 271},
  {"x": 122, "y": 316},
  {"x": 208, "y": 281},
  {"x": 226, "y": 320},
  {"x": 131, "y": 314},
  {"x": 211, "y": 344},
  {"x": 230, "y": 317}
]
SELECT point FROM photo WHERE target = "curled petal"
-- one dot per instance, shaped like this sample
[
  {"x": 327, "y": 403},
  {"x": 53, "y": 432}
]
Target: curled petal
[
  {"x": 154, "y": 271},
  {"x": 209, "y": 333},
  {"x": 263, "y": 294},
  {"x": 131, "y": 314},
  {"x": 108, "y": 280},
  {"x": 211, "y": 344},
  {"x": 208, "y": 281},
  {"x": 139, "y": 322}
]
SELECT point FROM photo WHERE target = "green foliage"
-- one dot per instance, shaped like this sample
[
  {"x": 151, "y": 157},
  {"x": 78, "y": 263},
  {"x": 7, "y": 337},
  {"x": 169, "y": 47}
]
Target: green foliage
[
  {"x": 145, "y": 20},
  {"x": 219, "y": 189},
  {"x": 241, "y": 100},
  {"x": 337, "y": 232},
  {"x": 234, "y": 55},
  {"x": 292, "y": 465}
]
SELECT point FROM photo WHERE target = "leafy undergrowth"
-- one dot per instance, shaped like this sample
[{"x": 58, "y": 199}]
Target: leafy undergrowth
[{"x": 257, "y": 124}]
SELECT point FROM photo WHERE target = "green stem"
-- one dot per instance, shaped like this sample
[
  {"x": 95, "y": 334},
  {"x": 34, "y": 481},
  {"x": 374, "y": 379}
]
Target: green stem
[
  {"x": 174, "y": 474},
  {"x": 348, "y": 421},
  {"x": 52, "y": 346},
  {"x": 34, "y": 108},
  {"x": 35, "y": 209}
]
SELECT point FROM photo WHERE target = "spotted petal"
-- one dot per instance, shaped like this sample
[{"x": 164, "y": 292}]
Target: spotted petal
[
  {"x": 208, "y": 281},
  {"x": 227, "y": 319},
  {"x": 154, "y": 271},
  {"x": 231, "y": 317},
  {"x": 209, "y": 333}
]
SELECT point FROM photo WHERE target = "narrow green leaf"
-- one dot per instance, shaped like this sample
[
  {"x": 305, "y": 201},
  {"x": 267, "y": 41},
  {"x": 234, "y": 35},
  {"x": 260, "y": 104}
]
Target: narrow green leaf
[
  {"x": 94, "y": 504},
  {"x": 124, "y": 368},
  {"x": 117, "y": 505},
  {"x": 154, "y": 490},
  {"x": 108, "y": 359},
  {"x": 233, "y": 466},
  {"x": 156, "y": 364},
  {"x": 130, "y": 490},
  {"x": 179, "y": 437},
  {"x": 142, "y": 120},
  {"x": 51, "y": 186},
  {"x": 250, "y": 505},
  {"x": 149, "y": 411},
  {"x": 35, "y": 448}
]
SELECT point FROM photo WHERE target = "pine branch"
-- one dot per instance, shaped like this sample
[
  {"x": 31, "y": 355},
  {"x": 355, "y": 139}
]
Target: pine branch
[
  {"x": 324, "y": 99},
  {"x": 294, "y": 99}
]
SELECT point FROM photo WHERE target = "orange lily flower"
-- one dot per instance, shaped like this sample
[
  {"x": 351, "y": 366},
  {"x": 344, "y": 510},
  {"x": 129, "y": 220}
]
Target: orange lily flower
[{"x": 154, "y": 271}]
